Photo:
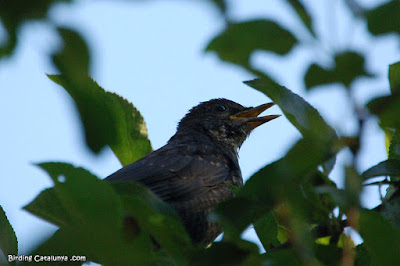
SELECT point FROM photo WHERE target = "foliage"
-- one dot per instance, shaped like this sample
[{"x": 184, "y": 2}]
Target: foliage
[{"x": 290, "y": 202}]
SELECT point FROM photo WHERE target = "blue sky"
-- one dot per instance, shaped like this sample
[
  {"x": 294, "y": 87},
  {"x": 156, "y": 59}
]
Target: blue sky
[{"x": 152, "y": 54}]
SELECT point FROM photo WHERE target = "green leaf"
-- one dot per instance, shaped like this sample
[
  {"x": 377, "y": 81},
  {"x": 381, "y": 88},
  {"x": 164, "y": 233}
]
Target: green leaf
[
  {"x": 303, "y": 14},
  {"x": 385, "y": 18},
  {"x": 394, "y": 77},
  {"x": 62, "y": 242},
  {"x": 328, "y": 255},
  {"x": 48, "y": 206},
  {"x": 387, "y": 108},
  {"x": 8, "y": 239},
  {"x": 221, "y": 5},
  {"x": 281, "y": 257},
  {"x": 380, "y": 236},
  {"x": 267, "y": 230},
  {"x": 276, "y": 183},
  {"x": 74, "y": 57},
  {"x": 108, "y": 119},
  {"x": 389, "y": 167},
  {"x": 13, "y": 13},
  {"x": 227, "y": 253},
  {"x": 95, "y": 212},
  {"x": 363, "y": 257},
  {"x": 394, "y": 148},
  {"x": 348, "y": 67},
  {"x": 300, "y": 113},
  {"x": 353, "y": 187},
  {"x": 157, "y": 218},
  {"x": 239, "y": 40}
]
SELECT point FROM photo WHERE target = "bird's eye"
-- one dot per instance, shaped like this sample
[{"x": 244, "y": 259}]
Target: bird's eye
[{"x": 221, "y": 108}]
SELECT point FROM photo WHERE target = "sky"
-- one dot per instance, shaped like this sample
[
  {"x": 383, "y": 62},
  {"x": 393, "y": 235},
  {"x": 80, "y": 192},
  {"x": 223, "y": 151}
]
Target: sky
[{"x": 152, "y": 53}]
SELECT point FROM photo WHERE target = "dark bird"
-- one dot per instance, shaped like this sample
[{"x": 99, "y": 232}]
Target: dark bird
[{"x": 194, "y": 171}]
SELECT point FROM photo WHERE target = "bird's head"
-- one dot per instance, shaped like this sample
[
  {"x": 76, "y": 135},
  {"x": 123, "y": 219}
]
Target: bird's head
[{"x": 225, "y": 121}]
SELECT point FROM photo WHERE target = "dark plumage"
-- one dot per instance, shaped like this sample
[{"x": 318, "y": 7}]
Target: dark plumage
[{"x": 192, "y": 172}]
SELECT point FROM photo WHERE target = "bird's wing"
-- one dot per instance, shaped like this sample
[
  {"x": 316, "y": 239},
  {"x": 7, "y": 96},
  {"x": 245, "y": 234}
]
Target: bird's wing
[{"x": 178, "y": 173}]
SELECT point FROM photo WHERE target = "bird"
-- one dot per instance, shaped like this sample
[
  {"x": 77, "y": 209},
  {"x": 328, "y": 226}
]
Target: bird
[{"x": 198, "y": 167}]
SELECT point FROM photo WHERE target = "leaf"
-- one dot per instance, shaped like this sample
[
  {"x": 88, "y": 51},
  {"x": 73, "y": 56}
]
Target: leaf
[
  {"x": 157, "y": 218},
  {"x": 394, "y": 148},
  {"x": 387, "y": 108},
  {"x": 276, "y": 182},
  {"x": 390, "y": 12},
  {"x": 389, "y": 167},
  {"x": 281, "y": 257},
  {"x": 62, "y": 242},
  {"x": 394, "y": 77},
  {"x": 96, "y": 216},
  {"x": 378, "y": 235},
  {"x": 353, "y": 187},
  {"x": 221, "y": 5},
  {"x": 348, "y": 67},
  {"x": 48, "y": 206},
  {"x": 300, "y": 113},
  {"x": 14, "y": 13},
  {"x": 328, "y": 255},
  {"x": 227, "y": 253},
  {"x": 303, "y": 14},
  {"x": 363, "y": 257},
  {"x": 239, "y": 40},
  {"x": 108, "y": 119},
  {"x": 74, "y": 58},
  {"x": 8, "y": 239},
  {"x": 267, "y": 230}
]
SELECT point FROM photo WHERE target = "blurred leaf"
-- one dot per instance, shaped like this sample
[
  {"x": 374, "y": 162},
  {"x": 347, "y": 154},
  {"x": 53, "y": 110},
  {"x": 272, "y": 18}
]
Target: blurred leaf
[
  {"x": 390, "y": 207},
  {"x": 384, "y": 18},
  {"x": 348, "y": 67},
  {"x": 96, "y": 216},
  {"x": 221, "y": 5},
  {"x": 157, "y": 218},
  {"x": 249, "y": 209},
  {"x": 318, "y": 207},
  {"x": 8, "y": 239},
  {"x": 389, "y": 132},
  {"x": 227, "y": 253},
  {"x": 48, "y": 206},
  {"x": 74, "y": 57},
  {"x": 394, "y": 77},
  {"x": 353, "y": 187},
  {"x": 240, "y": 40},
  {"x": 277, "y": 182},
  {"x": 303, "y": 14},
  {"x": 108, "y": 119},
  {"x": 387, "y": 108},
  {"x": 267, "y": 230},
  {"x": 385, "y": 168},
  {"x": 281, "y": 257},
  {"x": 328, "y": 255},
  {"x": 379, "y": 237},
  {"x": 64, "y": 243},
  {"x": 300, "y": 113},
  {"x": 363, "y": 257},
  {"x": 394, "y": 148},
  {"x": 13, "y": 13},
  {"x": 388, "y": 113}
]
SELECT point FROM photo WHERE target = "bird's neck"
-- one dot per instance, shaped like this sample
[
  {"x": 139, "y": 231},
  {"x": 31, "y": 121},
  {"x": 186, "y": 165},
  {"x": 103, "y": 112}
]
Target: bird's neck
[{"x": 189, "y": 136}]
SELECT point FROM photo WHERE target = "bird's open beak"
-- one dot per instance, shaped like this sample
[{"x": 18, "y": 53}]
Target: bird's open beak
[{"x": 251, "y": 115}]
